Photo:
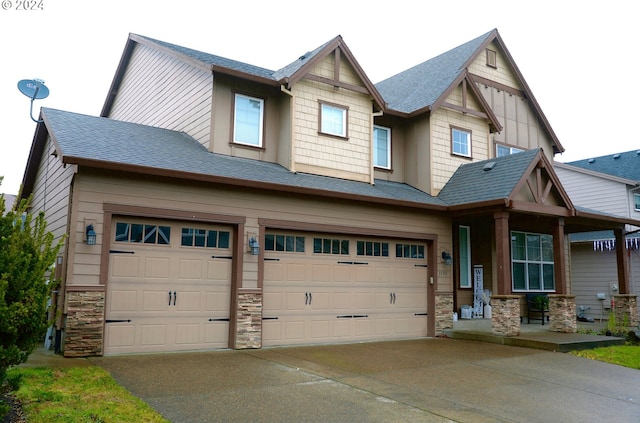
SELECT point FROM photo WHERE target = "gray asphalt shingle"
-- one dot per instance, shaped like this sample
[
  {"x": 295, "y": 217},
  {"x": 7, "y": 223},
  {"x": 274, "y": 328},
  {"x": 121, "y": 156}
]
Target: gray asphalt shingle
[
  {"x": 112, "y": 141},
  {"x": 623, "y": 165}
]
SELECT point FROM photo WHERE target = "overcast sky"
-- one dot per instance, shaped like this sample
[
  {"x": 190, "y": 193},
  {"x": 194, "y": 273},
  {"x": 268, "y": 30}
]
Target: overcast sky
[{"x": 578, "y": 57}]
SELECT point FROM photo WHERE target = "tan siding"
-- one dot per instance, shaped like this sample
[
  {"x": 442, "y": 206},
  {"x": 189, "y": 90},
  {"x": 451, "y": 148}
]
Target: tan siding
[
  {"x": 93, "y": 191},
  {"x": 443, "y": 162},
  {"x": 164, "y": 92},
  {"x": 593, "y": 272},
  {"x": 330, "y": 156},
  {"x": 521, "y": 127},
  {"x": 52, "y": 191}
]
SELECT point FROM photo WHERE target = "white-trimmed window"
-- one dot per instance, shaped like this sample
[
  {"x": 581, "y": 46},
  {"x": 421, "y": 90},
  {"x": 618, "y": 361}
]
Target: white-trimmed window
[
  {"x": 464, "y": 252},
  {"x": 461, "y": 142},
  {"x": 382, "y": 147},
  {"x": 532, "y": 261},
  {"x": 505, "y": 150},
  {"x": 333, "y": 120},
  {"x": 636, "y": 200},
  {"x": 248, "y": 120}
]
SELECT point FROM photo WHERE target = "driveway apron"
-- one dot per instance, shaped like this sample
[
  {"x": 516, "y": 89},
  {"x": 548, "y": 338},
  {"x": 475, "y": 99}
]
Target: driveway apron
[{"x": 423, "y": 380}]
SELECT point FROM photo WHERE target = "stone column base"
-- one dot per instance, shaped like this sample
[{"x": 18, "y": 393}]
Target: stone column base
[
  {"x": 444, "y": 312},
  {"x": 562, "y": 313},
  {"x": 505, "y": 315},
  {"x": 84, "y": 327},
  {"x": 625, "y": 310},
  {"x": 249, "y": 321}
]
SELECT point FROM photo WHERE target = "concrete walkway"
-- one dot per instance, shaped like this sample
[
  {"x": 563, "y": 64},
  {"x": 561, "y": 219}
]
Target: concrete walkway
[{"x": 425, "y": 380}]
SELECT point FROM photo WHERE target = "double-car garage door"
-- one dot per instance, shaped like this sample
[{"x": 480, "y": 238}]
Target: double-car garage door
[
  {"x": 169, "y": 287},
  {"x": 332, "y": 288}
]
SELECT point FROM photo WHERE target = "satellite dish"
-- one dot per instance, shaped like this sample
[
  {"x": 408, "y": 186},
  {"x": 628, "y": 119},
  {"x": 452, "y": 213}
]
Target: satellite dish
[{"x": 35, "y": 90}]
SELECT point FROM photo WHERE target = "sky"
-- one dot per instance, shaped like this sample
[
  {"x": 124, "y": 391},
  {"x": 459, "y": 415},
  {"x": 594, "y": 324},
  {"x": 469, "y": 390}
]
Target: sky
[{"x": 576, "y": 56}]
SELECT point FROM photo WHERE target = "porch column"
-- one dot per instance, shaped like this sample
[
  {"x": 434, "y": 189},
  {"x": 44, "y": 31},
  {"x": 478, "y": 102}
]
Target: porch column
[
  {"x": 505, "y": 315},
  {"x": 503, "y": 252},
  {"x": 562, "y": 313},
  {"x": 625, "y": 310},
  {"x": 623, "y": 261},
  {"x": 559, "y": 263}
]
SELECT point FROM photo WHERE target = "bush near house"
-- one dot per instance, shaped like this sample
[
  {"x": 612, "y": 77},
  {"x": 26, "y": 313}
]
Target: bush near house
[{"x": 27, "y": 252}]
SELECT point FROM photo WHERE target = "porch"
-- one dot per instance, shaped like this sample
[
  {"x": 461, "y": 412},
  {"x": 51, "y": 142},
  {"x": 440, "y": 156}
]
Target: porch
[{"x": 534, "y": 336}]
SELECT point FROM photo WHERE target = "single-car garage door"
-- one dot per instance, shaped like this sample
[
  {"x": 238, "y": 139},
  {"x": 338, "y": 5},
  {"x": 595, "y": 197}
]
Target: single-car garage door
[
  {"x": 169, "y": 286},
  {"x": 333, "y": 288}
]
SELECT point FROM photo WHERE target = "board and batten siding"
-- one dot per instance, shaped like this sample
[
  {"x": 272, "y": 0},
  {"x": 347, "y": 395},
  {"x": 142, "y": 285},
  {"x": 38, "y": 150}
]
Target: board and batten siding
[
  {"x": 161, "y": 91},
  {"x": 594, "y": 192},
  {"x": 93, "y": 190},
  {"x": 521, "y": 127}
]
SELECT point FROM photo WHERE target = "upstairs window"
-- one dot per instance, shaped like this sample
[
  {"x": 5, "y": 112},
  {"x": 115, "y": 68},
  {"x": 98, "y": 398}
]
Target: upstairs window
[
  {"x": 382, "y": 147},
  {"x": 333, "y": 120},
  {"x": 461, "y": 142},
  {"x": 504, "y": 150},
  {"x": 636, "y": 200},
  {"x": 248, "y": 120}
]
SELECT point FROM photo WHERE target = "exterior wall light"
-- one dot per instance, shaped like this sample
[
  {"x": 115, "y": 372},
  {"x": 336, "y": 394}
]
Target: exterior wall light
[
  {"x": 254, "y": 247},
  {"x": 90, "y": 235},
  {"x": 446, "y": 258}
]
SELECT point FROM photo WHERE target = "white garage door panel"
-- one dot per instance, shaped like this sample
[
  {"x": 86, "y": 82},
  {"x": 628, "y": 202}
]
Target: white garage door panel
[
  {"x": 168, "y": 297},
  {"x": 323, "y": 298}
]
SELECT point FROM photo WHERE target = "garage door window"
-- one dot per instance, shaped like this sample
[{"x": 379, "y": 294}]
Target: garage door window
[
  {"x": 372, "y": 248},
  {"x": 194, "y": 237},
  {"x": 410, "y": 251},
  {"x": 286, "y": 243},
  {"x": 330, "y": 246},
  {"x": 147, "y": 234}
]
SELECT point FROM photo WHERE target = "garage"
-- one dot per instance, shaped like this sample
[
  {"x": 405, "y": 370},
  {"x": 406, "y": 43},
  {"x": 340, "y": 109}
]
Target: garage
[
  {"x": 328, "y": 288},
  {"x": 168, "y": 287}
]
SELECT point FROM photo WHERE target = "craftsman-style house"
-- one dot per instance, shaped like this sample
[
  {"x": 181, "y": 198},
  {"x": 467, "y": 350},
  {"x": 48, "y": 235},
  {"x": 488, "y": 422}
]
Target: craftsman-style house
[{"x": 217, "y": 204}]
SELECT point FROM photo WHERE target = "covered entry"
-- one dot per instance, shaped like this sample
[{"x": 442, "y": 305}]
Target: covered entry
[
  {"x": 169, "y": 285},
  {"x": 328, "y": 287}
]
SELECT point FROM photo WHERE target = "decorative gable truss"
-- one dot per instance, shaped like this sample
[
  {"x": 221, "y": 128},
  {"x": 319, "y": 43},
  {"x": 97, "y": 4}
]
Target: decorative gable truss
[{"x": 540, "y": 191}]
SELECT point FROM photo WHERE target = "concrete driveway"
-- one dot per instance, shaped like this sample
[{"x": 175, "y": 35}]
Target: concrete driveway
[{"x": 425, "y": 380}]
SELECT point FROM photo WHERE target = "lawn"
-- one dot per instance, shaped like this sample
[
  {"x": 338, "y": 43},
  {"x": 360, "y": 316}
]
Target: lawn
[
  {"x": 75, "y": 395},
  {"x": 622, "y": 355}
]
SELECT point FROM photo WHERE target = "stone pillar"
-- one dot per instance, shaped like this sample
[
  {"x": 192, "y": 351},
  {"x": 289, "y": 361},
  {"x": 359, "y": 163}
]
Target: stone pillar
[
  {"x": 625, "y": 310},
  {"x": 444, "y": 312},
  {"x": 562, "y": 313},
  {"x": 505, "y": 315},
  {"x": 249, "y": 321},
  {"x": 84, "y": 328}
]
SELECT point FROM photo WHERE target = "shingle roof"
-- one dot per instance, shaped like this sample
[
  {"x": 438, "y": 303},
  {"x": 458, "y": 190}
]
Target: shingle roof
[
  {"x": 111, "y": 141},
  {"x": 472, "y": 184},
  {"x": 213, "y": 60},
  {"x": 623, "y": 165},
  {"x": 420, "y": 86}
]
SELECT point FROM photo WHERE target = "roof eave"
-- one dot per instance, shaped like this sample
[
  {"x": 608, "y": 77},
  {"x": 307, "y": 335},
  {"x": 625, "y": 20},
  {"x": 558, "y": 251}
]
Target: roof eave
[{"x": 246, "y": 183}]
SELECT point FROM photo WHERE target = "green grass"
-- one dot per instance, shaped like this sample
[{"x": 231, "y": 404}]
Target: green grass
[
  {"x": 81, "y": 394},
  {"x": 622, "y": 355}
]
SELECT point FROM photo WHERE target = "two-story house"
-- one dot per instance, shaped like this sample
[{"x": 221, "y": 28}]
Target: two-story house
[
  {"x": 610, "y": 183},
  {"x": 217, "y": 204}
]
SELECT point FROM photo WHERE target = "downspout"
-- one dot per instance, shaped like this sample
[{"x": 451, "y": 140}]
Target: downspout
[{"x": 292, "y": 161}]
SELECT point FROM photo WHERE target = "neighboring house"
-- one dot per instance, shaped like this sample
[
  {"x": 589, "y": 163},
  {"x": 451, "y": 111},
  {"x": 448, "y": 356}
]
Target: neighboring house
[
  {"x": 9, "y": 200},
  {"x": 612, "y": 184},
  {"x": 238, "y": 207}
]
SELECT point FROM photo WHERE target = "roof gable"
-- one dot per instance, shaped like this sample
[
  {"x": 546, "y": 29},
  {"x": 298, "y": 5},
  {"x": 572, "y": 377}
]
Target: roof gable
[
  {"x": 524, "y": 181},
  {"x": 424, "y": 87}
]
